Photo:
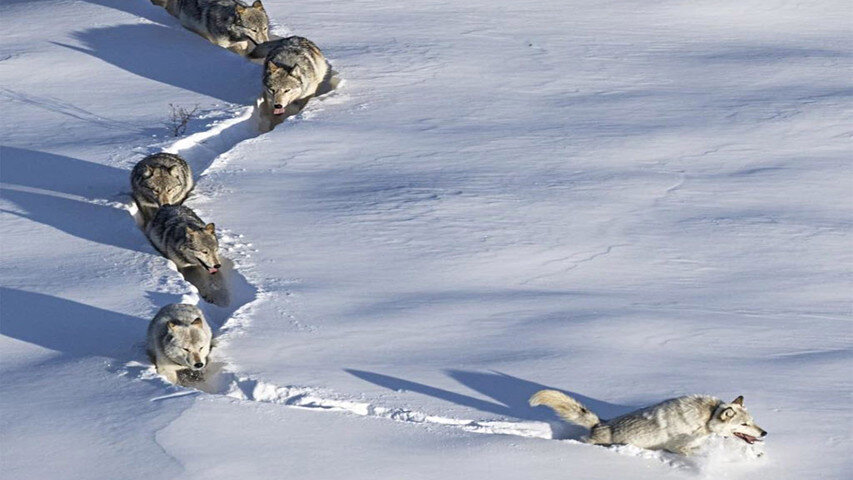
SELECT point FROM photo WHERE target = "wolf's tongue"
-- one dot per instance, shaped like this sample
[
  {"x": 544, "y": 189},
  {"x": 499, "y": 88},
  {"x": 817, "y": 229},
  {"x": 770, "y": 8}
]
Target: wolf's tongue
[
  {"x": 212, "y": 270},
  {"x": 278, "y": 111}
]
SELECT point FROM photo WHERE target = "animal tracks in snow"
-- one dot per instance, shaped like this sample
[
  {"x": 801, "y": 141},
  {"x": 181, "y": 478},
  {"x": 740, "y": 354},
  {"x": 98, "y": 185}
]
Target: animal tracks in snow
[{"x": 228, "y": 303}]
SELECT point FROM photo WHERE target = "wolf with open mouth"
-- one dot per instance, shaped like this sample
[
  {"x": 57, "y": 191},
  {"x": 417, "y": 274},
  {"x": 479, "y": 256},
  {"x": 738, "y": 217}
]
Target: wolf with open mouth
[
  {"x": 182, "y": 237},
  {"x": 678, "y": 425},
  {"x": 294, "y": 68}
]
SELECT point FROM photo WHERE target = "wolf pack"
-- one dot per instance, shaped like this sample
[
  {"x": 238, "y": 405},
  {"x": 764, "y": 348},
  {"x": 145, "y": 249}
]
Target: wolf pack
[{"x": 179, "y": 338}]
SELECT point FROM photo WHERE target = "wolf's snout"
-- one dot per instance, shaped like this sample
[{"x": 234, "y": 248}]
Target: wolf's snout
[
  {"x": 277, "y": 106},
  {"x": 278, "y": 109},
  {"x": 198, "y": 365},
  {"x": 764, "y": 433}
]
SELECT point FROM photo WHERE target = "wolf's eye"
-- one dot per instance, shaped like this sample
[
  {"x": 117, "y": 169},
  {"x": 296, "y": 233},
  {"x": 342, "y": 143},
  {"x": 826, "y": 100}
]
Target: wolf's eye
[
  {"x": 744, "y": 424},
  {"x": 187, "y": 350}
]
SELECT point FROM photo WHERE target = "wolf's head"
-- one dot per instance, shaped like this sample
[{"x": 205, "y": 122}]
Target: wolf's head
[
  {"x": 164, "y": 182},
  {"x": 282, "y": 85},
  {"x": 732, "y": 419},
  {"x": 188, "y": 344},
  {"x": 251, "y": 22},
  {"x": 203, "y": 247}
]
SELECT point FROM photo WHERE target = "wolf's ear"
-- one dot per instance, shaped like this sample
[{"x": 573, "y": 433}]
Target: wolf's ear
[
  {"x": 189, "y": 231},
  {"x": 171, "y": 324},
  {"x": 209, "y": 228},
  {"x": 727, "y": 414},
  {"x": 173, "y": 169},
  {"x": 239, "y": 8},
  {"x": 295, "y": 70},
  {"x": 738, "y": 400},
  {"x": 196, "y": 322},
  {"x": 258, "y": 5},
  {"x": 272, "y": 67},
  {"x": 148, "y": 171}
]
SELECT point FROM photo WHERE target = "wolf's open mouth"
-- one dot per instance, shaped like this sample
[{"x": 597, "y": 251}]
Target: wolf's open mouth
[
  {"x": 278, "y": 111},
  {"x": 747, "y": 438},
  {"x": 211, "y": 270}
]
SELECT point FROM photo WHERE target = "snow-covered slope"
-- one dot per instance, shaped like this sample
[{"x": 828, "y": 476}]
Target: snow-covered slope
[{"x": 624, "y": 200}]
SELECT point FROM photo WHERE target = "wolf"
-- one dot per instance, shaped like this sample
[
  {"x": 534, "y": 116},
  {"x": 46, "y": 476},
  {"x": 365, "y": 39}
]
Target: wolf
[
  {"x": 179, "y": 342},
  {"x": 160, "y": 179},
  {"x": 227, "y": 23},
  {"x": 181, "y": 236},
  {"x": 677, "y": 425},
  {"x": 294, "y": 68}
]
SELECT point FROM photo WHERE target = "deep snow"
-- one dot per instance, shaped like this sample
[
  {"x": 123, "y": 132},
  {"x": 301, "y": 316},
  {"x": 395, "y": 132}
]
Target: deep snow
[{"x": 624, "y": 200}]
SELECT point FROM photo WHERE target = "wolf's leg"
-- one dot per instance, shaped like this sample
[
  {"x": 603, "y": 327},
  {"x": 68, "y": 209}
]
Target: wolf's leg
[
  {"x": 171, "y": 373},
  {"x": 240, "y": 48},
  {"x": 683, "y": 445}
]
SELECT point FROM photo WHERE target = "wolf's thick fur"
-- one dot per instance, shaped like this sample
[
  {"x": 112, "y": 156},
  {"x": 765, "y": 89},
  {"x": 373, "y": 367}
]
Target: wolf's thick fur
[
  {"x": 181, "y": 236},
  {"x": 159, "y": 179},
  {"x": 294, "y": 68},
  {"x": 227, "y": 23},
  {"x": 179, "y": 340},
  {"x": 677, "y": 425}
]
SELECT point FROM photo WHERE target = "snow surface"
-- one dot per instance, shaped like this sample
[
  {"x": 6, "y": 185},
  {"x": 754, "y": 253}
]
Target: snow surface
[{"x": 627, "y": 201}]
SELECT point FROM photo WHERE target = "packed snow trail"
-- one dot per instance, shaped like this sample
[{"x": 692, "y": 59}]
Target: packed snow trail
[
  {"x": 203, "y": 149},
  {"x": 206, "y": 148}
]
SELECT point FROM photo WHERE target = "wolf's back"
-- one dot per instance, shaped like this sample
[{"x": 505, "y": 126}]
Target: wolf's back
[{"x": 566, "y": 407}]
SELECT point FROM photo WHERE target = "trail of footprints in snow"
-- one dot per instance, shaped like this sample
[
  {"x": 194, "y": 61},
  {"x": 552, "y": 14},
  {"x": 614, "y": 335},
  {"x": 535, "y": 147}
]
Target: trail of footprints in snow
[
  {"x": 203, "y": 149},
  {"x": 200, "y": 153}
]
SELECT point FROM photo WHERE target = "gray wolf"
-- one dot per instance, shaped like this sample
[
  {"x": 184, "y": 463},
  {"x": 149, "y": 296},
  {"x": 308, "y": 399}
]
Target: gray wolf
[
  {"x": 160, "y": 179},
  {"x": 179, "y": 342},
  {"x": 182, "y": 237},
  {"x": 227, "y": 23},
  {"x": 294, "y": 68},
  {"x": 677, "y": 425}
]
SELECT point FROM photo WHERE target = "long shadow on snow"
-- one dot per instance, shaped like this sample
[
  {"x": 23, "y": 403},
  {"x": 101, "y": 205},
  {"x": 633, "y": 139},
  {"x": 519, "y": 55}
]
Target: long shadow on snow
[
  {"x": 510, "y": 395},
  {"x": 172, "y": 56},
  {"x": 68, "y": 327},
  {"x": 84, "y": 220},
  {"x": 77, "y": 330},
  {"x": 140, "y": 8},
  {"x": 48, "y": 171}
]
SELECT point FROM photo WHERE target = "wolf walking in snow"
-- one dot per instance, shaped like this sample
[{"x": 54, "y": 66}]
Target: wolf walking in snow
[
  {"x": 159, "y": 179},
  {"x": 677, "y": 425},
  {"x": 227, "y": 23},
  {"x": 179, "y": 341},
  {"x": 182, "y": 237},
  {"x": 294, "y": 68}
]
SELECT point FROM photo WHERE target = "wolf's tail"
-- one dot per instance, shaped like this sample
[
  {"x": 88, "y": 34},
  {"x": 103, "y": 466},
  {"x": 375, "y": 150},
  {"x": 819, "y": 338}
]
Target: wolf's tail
[{"x": 566, "y": 407}]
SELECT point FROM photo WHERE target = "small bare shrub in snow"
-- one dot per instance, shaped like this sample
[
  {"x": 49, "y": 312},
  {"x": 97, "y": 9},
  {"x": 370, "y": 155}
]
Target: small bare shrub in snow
[{"x": 179, "y": 117}]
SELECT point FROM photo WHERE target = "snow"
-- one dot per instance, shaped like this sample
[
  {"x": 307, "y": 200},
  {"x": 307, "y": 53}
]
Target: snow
[{"x": 627, "y": 201}]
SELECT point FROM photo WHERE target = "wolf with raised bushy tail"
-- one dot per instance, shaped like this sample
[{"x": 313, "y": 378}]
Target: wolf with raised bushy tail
[
  {"x": 179, "y": 342},
  {"x": 182, "y": 237},
  {"x": 159, "y": 179},
  {"x": 294, "y": 68},
  {"x": 227, "y": 23},
  {"x": 678, "y": 425}
]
